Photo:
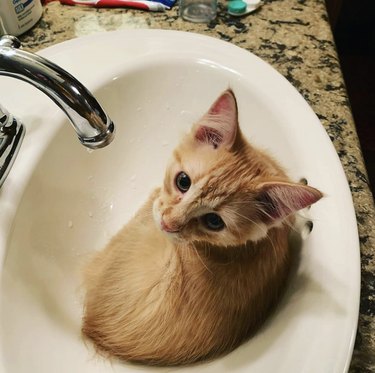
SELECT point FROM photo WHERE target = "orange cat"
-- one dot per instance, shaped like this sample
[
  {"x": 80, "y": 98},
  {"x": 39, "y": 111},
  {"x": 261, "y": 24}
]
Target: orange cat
[{"x": 203, "y": 262}]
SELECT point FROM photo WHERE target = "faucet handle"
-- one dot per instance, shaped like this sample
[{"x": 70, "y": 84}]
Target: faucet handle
[
  {"x": 3, "y": 116},
  {"x": 4, "y": 119},
  {"x": 12, "y": 132},
  {"x": 9, "y": 41}
]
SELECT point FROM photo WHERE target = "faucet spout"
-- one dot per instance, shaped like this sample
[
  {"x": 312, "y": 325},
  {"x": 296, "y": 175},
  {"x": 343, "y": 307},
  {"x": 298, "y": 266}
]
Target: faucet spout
[{"x": 92, "y": 125}]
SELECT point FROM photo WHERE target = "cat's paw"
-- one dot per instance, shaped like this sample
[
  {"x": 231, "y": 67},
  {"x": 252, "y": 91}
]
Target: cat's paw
[
  {"x": 303, "y": 225},
  {"x": 309, "y": 226},
  {"x": 303, "y": 181}
]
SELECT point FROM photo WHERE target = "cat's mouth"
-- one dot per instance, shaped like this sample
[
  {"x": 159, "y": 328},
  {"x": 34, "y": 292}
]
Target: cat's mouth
[
  {"x": 174, "y": 234},
  {"x": 168, "y": 229},
  {"x": 171, "y": 231}
]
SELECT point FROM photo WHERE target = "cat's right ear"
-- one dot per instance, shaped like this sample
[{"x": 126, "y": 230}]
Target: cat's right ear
[
  {"x": 277, "y": 200},
  {"x": 219, "y": 126}
]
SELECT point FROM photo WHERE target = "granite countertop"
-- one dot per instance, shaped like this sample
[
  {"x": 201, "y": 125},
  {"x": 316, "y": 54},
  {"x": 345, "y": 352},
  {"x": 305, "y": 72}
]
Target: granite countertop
[{"x": 294, "y": 36}]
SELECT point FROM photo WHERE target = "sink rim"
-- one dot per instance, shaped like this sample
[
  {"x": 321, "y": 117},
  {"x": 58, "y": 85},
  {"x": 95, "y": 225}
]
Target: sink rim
[{"x": 12, "y": 190}]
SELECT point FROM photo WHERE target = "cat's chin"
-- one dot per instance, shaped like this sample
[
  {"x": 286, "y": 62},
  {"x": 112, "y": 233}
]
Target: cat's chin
[{"x": 175, "y": 238}]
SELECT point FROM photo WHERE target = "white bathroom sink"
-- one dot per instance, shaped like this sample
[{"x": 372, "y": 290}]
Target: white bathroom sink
[{"x": 62, "y": 202}]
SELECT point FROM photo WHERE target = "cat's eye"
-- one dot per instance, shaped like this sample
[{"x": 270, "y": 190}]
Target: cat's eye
[
  {"x": 183, "y": 182},
  {"x": 213, "y": 222}
]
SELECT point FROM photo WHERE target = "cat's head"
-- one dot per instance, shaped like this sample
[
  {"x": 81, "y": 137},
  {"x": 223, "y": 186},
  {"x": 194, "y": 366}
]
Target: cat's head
[{"x": 219, "y": 189}]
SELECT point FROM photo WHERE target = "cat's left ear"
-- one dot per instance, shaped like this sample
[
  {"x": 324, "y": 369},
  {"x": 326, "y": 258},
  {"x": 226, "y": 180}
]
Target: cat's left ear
[
  {"x": 219, "y": 126},
  {"x": 277, "y": 200}
]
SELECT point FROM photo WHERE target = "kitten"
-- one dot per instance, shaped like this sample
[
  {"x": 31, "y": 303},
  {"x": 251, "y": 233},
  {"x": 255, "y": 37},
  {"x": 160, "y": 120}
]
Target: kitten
[{"x": 204, "y": 261}]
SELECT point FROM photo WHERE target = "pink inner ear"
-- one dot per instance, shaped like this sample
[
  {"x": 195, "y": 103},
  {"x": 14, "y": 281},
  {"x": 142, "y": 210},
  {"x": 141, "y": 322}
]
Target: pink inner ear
[
  {"x": 278, "y": 200},
  {"x": 223, "y": 104},
  {"x": 218, "y": 126},
  {"x": 209, "y": 135}
]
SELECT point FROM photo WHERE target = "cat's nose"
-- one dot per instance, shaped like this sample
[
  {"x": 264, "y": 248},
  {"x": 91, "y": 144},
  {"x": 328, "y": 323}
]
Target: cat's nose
[{"x": 168, "y": 227}]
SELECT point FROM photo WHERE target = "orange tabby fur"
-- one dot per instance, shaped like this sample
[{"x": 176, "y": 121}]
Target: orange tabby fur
[{"x": 186, "y": 294}]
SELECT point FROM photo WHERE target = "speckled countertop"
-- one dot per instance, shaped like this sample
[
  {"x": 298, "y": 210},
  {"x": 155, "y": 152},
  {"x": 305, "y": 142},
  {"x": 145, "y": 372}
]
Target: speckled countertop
[{"x": 294, "y": 36}]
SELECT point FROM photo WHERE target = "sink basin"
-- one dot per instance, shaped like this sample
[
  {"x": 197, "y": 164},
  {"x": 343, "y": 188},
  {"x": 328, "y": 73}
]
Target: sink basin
[{"x": 61, "y": 202}]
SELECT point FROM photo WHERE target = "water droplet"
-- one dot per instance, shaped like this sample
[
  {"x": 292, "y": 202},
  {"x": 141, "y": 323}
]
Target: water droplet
[
  {"x": 70, "y": 224},
  {"x": 139, "y": 108},
  {"x": 107, "y": 205},
  {"x": 89, "y": 150},
  {"x": 133, "y": 177},
  {"x": 90, "y": 178},
  {"x": 165, "y": 143},
  {"x": 90, "y": 214}
]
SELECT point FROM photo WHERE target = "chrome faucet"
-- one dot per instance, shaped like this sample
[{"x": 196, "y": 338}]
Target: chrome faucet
[{"x": 92, "y": 125}]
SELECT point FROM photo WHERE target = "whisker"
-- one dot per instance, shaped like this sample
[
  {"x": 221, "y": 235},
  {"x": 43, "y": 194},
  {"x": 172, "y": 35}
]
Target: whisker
[{"x": 200, "y": 259}]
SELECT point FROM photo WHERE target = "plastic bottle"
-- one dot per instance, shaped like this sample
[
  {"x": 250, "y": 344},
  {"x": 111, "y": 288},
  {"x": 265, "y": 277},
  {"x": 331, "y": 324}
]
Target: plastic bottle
[{"x": 18, "y": 16}]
